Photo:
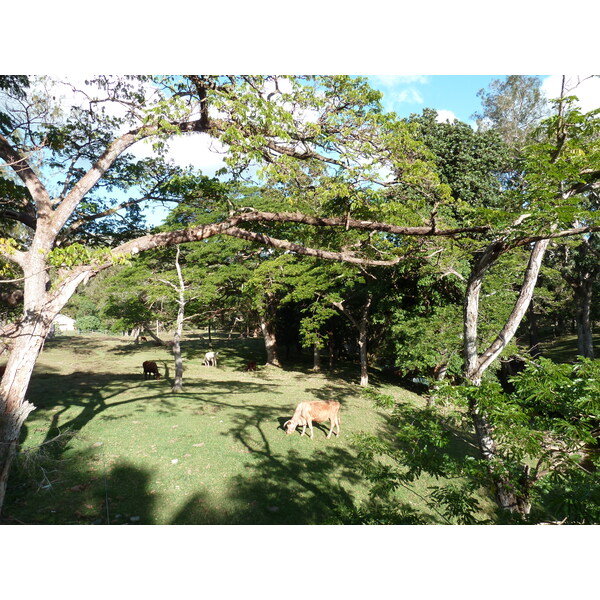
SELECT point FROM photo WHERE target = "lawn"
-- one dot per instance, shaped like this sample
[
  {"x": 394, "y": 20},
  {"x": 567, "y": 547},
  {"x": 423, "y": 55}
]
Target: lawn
[{"x": 131, "y": 451}]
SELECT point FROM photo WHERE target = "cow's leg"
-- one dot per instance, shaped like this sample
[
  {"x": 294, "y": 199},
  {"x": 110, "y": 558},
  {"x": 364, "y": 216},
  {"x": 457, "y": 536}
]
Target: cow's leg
[
  {"x": 311, "y": 428},
  {"x": 330, "y": 428}
]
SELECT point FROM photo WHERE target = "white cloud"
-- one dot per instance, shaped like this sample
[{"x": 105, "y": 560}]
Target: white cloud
[
  {"x": 585, "y": 88},
  {"x": 445, "y": 115},
  {"x": 410, "y": 95},
  {"x": 198, "y": 150}
]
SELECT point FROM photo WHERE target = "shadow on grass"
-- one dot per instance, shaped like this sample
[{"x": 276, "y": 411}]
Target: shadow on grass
[
  {"x": 97, "y": 394},
  {"x": 306, "y": 483},
  {"x": 284, "y": 488}
]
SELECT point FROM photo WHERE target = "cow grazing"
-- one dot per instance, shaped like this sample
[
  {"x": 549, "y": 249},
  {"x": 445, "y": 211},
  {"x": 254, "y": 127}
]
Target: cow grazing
[
  {"x": 251, "y": 366},
  {"x": 317, "y": 410},
  {"x": 150, "y": 368},
  {"x": 210, "y": 359}
]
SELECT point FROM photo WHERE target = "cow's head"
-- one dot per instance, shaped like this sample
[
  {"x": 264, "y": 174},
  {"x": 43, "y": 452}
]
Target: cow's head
[{"x": 290, "y": 426}]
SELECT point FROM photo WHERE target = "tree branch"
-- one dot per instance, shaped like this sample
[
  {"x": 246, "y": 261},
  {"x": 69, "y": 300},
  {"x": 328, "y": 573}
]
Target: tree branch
[
  {"x": 21, "y": 167},
  {"x": 299, "y": 249},
  {"x": 104, "y": 162},
  {"x": 285, "y": 217}
]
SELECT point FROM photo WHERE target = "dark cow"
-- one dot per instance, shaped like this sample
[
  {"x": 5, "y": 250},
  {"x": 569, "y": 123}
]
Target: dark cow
[
  {"x": 150, "y": 368},
  {"x": 251, "y": 366}
]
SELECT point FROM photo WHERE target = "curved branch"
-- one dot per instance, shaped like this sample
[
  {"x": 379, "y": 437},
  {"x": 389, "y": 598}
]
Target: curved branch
[
  {"x": 285, "y": 217},
  {"x": 21, "y": 167},
  {"x": 104, "y": 162},
  {"x": 306, "y": 251}
]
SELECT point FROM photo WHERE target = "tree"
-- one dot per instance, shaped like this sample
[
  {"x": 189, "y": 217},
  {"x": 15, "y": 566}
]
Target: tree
[
  {"x": 580, "y": 268},
  {"x": 325, "y": 143},
  {"x": 513, "y": 107}
]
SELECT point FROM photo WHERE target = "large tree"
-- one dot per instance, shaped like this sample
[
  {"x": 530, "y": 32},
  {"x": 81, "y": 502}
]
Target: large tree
[{"x": 324, "y": 142}]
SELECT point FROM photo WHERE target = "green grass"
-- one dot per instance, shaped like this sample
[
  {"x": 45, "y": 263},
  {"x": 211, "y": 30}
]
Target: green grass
[
  {"x": 564, "y": 349},
  {"x": 213, "y": 454}
]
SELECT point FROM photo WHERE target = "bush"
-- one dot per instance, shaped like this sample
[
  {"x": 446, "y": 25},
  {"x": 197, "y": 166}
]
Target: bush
[{"x": 89, "y": 323}]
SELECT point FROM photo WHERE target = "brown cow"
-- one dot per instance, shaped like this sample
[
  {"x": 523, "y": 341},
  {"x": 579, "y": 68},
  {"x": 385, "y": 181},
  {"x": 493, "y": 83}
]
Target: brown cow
[
  {"x": 150, "y": 368},
  {"x": 317, "y": 410}
]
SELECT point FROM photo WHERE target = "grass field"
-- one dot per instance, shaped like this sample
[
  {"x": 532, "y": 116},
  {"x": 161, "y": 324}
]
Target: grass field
[
  {"x": 131, "y": 451},
  {"x": 214, "y": 454}
]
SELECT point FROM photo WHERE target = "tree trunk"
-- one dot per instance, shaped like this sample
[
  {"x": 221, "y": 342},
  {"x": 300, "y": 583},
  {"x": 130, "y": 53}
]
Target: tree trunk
[
  {"x": 316, "y": 358},
  {"x": 154, "y": 336},
  {"x": 39, "y": 311},
  {"x": 532, "y": 327},
  {"x": 507, "y": 495},
  {"x": 268, "y": 331},
  {"x": 476, "y": 365},
  {"x": 583, "y": 302},
  {"x": 362, "y": 352},
  {"x": 331, "y": 344},
  {"x": 181, "y": 302},
  {"x": 361, "y": 325},
  {"x": 14, "y": 408}
]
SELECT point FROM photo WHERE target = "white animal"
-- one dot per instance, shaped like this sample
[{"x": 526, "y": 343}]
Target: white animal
[
  {"x": 210, "y": 359},
  {"x": 316, "y": 410}
]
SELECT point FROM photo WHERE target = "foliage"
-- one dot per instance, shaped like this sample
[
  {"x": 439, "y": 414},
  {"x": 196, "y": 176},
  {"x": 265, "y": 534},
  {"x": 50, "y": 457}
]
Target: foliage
[
  {"x": 549, "y": 423},
  {"x": 513, "y": 108},
  {"x": 475, "y": 164},
  {"x": 544, "y": 429},
  {"x": 422, "y": 443},
  {"x": 89, "y": 323}
]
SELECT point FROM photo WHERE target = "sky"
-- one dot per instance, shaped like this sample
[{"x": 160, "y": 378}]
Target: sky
[{"x": 453, "y": 96}]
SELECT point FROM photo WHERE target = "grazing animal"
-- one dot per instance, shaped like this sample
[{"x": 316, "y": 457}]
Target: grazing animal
[
  {"x": 143, "y": 339},
  {"x": 251, "y": 366},
  {"x": 210, "y": 359},
  {"x": 150, "y": 368},
  {"x": 317, "y": 410}
]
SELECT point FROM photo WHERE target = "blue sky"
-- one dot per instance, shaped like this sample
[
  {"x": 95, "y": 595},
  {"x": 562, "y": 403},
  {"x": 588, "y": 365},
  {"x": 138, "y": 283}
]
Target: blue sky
[{"x": 455, "y": 93}]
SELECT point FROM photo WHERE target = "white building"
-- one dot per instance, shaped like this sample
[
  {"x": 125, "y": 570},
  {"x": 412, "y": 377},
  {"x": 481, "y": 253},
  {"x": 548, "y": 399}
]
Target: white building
[{"x": 63, "y": 323}]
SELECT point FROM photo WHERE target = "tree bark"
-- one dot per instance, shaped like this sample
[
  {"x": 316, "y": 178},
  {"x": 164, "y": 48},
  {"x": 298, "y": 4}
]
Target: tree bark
[
  {"x": 362, "y": 351},
  {"x": 153, "y": 335},
  {"x": 14, "y": 408},
  {"x": 361, "y": 324},
  {"x": 181, "y": 302},
  {"x": 532, "y": 327},
  {"x": 316, "y": 358},
  {"x": 268, "y": 330},
  {"x": 583, "y": 311},
  {"x": 476, "y": 365},
  {"x": 507, "y": 494}
]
